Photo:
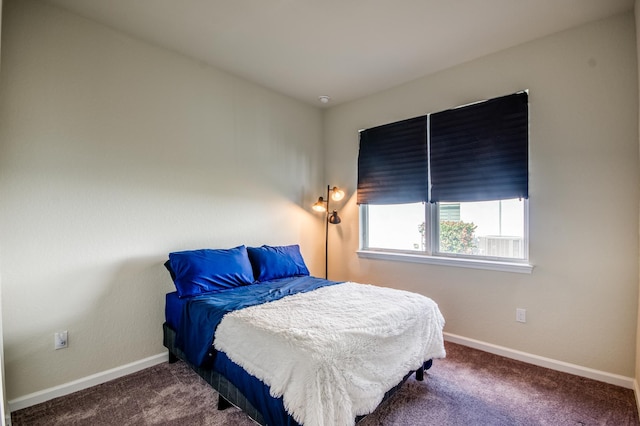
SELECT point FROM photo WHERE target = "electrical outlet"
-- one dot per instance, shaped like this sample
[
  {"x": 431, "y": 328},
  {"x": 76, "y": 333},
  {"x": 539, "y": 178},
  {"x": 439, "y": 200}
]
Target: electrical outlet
[
  {"x": 60, "y": 340},
  {"x": 521, "y": 315}
]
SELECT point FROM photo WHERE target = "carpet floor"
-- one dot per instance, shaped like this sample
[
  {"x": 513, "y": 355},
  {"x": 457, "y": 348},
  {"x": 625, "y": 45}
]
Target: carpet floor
[{"x": 469, "y": 387}]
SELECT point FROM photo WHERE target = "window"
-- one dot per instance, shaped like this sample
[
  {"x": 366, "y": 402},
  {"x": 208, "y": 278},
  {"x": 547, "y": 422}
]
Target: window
[
  {"x": 493, "y": 229},
  {"x": 487, "y": 229},
  {"x": 467, "y": 174},
  {"x": 395, "y": 226}
]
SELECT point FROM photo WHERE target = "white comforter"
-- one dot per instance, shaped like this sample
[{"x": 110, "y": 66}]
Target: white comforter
[{"x": 334, "y": 352}]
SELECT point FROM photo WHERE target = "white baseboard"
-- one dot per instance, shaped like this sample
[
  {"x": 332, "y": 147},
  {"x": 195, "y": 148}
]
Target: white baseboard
[
  {"x": 85, "y": 382},
  {"x": 565, "y": 367},
  {"x": 637, "y": 392}
]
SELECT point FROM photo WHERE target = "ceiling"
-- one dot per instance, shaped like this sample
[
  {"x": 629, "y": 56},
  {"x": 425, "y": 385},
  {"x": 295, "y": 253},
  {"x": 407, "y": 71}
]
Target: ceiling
[{"x": 345, "y": 49}]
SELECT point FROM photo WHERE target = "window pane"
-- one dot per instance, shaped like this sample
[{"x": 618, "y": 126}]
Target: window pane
[
  {"x": 487, "y": 228},
  {"x": 396, "y": 226}
]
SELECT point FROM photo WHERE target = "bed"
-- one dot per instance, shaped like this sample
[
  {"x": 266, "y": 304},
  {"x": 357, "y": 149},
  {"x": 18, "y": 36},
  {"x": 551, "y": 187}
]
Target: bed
[{"x": 288, "y": 348}]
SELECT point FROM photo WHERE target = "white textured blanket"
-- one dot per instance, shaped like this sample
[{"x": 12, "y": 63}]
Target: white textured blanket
[{"x": 334, "y": 352}]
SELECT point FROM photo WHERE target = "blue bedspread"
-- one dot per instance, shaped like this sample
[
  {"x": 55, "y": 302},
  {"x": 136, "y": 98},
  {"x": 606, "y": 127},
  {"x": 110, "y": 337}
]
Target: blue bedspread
[{"x": 202, "y": 314}]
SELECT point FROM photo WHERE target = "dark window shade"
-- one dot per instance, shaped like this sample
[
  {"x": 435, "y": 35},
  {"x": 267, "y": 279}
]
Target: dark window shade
[
  {"x": 393, "y": 163},
  {"x": 480, "y": 152}
]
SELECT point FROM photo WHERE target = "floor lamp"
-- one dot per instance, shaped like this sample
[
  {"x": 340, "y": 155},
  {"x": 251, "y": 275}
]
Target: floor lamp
[{"x": 322, "y": 205}]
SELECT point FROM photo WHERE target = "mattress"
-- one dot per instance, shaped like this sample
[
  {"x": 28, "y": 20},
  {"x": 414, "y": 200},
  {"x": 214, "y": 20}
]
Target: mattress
[{"x": 173, "y": 308}]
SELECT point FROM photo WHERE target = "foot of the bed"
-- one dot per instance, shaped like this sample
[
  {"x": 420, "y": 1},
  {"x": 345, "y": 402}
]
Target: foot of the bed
[
  {"x": 172, "y": 358},
  {"x": 428, "y": 364},
  {"x": 223, "y": 403}
]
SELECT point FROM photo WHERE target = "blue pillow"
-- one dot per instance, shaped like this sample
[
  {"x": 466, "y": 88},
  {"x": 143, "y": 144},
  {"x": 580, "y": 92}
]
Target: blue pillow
[
  {"x": 270, "y": 263},
  {"x": 206, "y": 270},
  {"x": 167, "y": 265}
]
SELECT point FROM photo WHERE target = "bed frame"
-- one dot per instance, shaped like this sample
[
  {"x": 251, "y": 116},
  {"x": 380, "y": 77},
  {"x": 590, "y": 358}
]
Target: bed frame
[{"x": 229, "y": 395}]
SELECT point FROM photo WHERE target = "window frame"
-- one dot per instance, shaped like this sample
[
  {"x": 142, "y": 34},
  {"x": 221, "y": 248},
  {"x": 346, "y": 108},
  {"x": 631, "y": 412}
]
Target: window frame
[{"x": 429, "y": 256}]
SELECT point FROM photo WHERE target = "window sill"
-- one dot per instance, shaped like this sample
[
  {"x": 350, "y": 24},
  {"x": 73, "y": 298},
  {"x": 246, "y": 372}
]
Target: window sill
[{"x": 520, "y": 268}]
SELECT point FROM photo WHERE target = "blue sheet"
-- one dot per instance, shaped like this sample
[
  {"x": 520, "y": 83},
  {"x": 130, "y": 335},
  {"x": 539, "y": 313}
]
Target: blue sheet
[
  {"x": 173, "y": 307},
  {"x": 202, "y": 314}
]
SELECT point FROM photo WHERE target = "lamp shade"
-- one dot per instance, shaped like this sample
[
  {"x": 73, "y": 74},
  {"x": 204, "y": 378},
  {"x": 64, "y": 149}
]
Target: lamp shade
[
  {"x": 320, "y": 205},
  {"x": 334, "y": 218},
  {"x": 337, "y": 194}
]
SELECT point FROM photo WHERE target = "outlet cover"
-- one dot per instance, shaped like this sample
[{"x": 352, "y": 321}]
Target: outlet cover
[
  {"x": 60, "y": 340},
  {"x": 521, "y": 315}
]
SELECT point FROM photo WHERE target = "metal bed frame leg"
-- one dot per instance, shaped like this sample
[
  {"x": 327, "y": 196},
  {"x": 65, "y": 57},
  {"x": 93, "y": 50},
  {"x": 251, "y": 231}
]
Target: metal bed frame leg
[
  {"x": 420, "y": 371},
  {"x": 420, "y": 374}
]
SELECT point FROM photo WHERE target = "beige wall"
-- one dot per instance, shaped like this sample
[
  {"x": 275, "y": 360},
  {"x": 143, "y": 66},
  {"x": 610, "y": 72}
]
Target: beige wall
[
  {"x": 3, "y": 400},
  {"x": 582, "y": 296},
  {"x": 112, "y": 154},
  {"x": 637, "y": 346}
]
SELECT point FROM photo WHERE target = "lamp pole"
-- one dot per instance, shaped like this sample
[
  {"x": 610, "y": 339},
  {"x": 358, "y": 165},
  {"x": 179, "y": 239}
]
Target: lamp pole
[
  {"x": 326, "y": 238},
  {"x": 323, "y": 205}
]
